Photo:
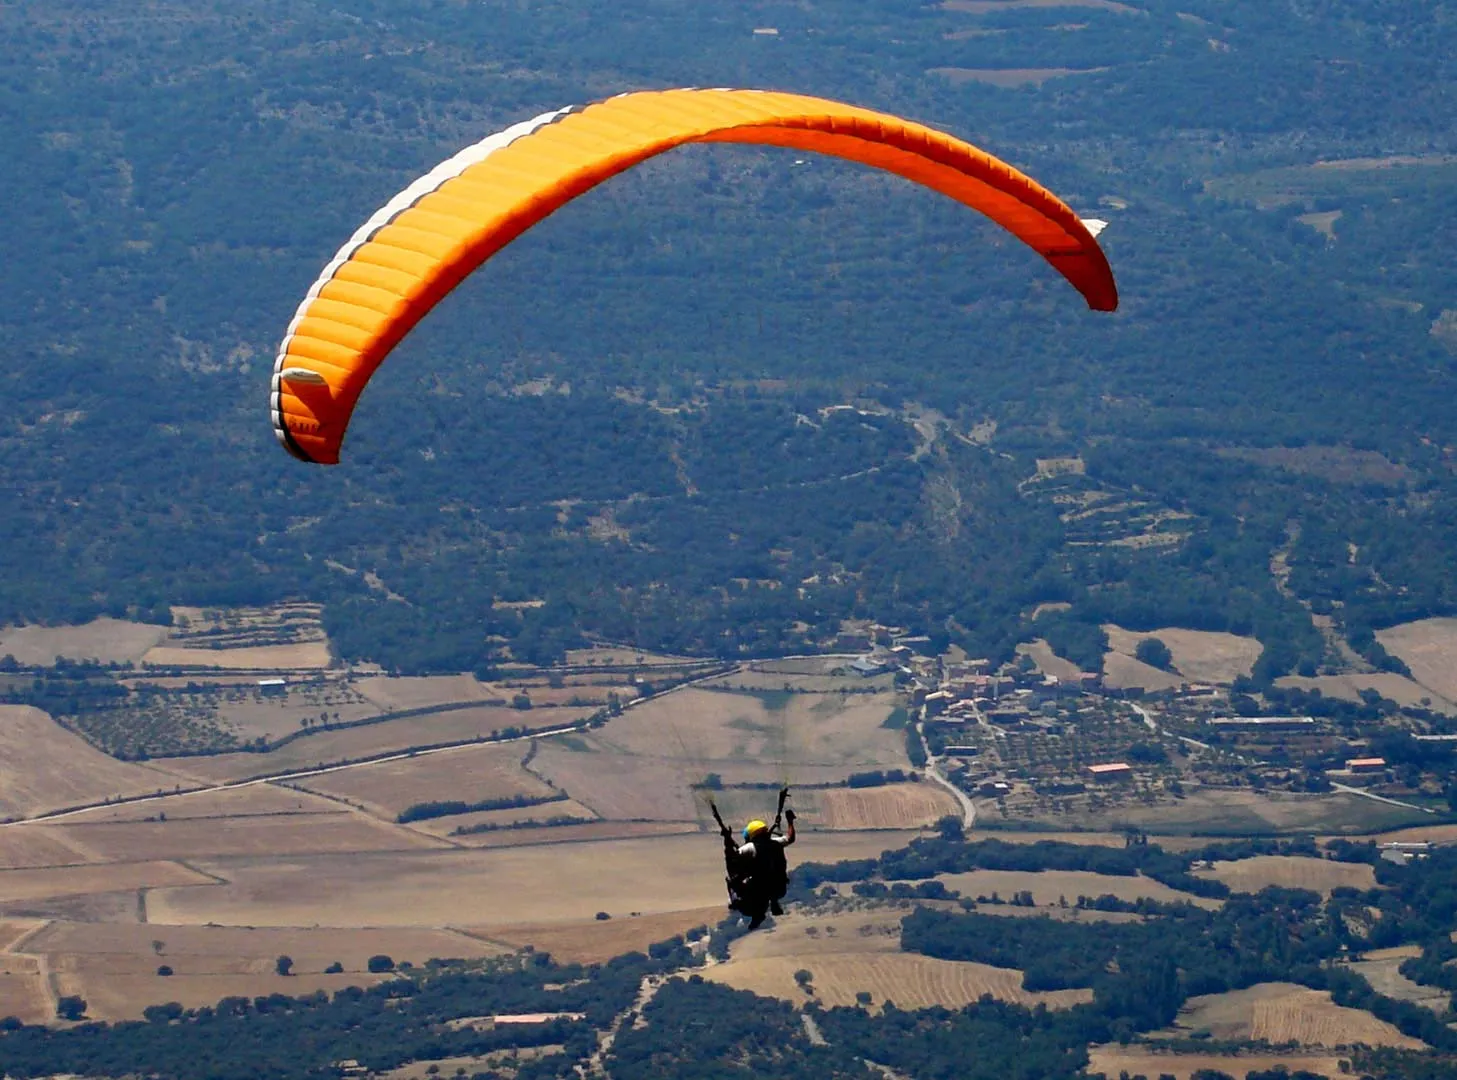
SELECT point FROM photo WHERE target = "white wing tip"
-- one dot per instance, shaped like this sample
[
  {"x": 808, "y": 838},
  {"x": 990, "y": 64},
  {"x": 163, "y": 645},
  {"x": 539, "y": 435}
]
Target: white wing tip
[{"x": 1094, "y": 225}]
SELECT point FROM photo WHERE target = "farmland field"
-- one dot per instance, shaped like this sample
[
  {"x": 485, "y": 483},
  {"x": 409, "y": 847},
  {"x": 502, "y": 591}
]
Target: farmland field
[
  {"x": 597, "y": 940},
  {"x": 44, "y": 767},
  {"x": 300, "y": 656},
  {"x": 252, "y": 800},
  {"x": 1115, "y": 1060},
  {"x": 393, "y": 694},
  {"x": 470, "y": 774},
  {"x": 1214, "y": 811},
  {"x": 109, "y": 641},
  {"x": 1382, "y": 969},
  {"x": 1429, "y": 649},
  {"x": 1198, "y": 655},
  {"x": 24, "y": 885},
  {"x": 1121, "y": 671},
  {"x": 1049, "y": 887},
  {"x": 1286, "y": 1013},
  {"x": 501, "y": 820},
  {"x": 35, "y": 846},
  {"x": 476, "y": 888},
  {"x": 591, "y": 832},
  {"x": 1047, "y": 661},
  {"x": 894, "y": 806},
  {"x": 1290, "y": 872},
  {"x": 1397, "y": 688}
]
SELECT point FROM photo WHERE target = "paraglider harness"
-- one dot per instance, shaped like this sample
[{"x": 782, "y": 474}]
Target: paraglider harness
[{"x": 755, "y": 881}]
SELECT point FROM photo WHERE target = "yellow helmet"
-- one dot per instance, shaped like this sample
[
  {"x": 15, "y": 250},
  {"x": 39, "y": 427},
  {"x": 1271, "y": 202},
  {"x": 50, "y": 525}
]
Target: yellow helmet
[{"x": 754, "y": 828}]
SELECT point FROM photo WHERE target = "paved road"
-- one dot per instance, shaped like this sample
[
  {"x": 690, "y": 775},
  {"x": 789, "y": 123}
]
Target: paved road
[{"x": 933, "y": 772}]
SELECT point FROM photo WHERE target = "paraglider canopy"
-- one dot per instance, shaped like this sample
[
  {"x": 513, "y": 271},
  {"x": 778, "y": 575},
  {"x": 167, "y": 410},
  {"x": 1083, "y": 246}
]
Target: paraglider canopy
[{"x": 432, "y": 235}]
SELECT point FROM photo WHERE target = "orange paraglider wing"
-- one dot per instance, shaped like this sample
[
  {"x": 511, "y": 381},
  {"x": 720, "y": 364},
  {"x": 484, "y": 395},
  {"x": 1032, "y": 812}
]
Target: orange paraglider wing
[{"x": 438, "y": 230}]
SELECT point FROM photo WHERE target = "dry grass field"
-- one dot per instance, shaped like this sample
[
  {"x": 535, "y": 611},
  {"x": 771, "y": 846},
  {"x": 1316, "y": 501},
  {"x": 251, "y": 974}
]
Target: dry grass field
[
  {"x": 1429, "y": 648},
  {"x": 1240, "y": 811},
  {"x": 392, "y": 693},
  {"x": 824, "y": 682},
  {"x": 596, "y": 940},
  {"x": 1049, "y": 887},
  {"x": 109, "y": 641},
  {"x": 1430, "y": 834},
  {"x": 44, "y": 767},
  {"x": 1047, "y": 661},
  {"x": 894, "y": 806},
  {"x": 1121, "y": 671},
  {"x": 470, "y": 774},
  {"x": 1199, "y": 655},
  {"x": 476, "y": 888},
  {"x": 1382, "y": 969},
  {"x": 392, "y": 736},
  {"x": 1286, "y": 1013},
  {"x": 27, "y": 885},
  {"x": 1397, "y": 688},
  {"x": 617, "y": 786},
  {"x": 1114, "y": 1060},
  {"x": 250, "y": 800},
  {"x": 1290, "y": 872},
  {"x": 591, "y": 833},
  {"x": 36, "y": 846},
  {"x": 280, "y": 835},
  {"x": 502, "y": 820},
  {"x": 1091, "y": 839},
  {"x": 22, "y": 991},
  {"x": 300, "y": 656}
]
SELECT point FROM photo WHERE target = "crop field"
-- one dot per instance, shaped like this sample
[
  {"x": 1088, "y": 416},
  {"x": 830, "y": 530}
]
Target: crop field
[
  {"x": 44, "y": 767},
  {"x": 1382, "y": 969},
  {"x": 301, "y": 656},
  {"x": 592, "y": 832},
  {"x": 1047, "y": 661},
  {"x": 1121, "y": 671},
  {"x": 1286, "y": 1013},
  {"x": 252, "y": 800},
  {"x": 619, "y": 787},
  {"x": 1049, "y": 887},
  {"x": 1199, "y": 655},
  {"x": 469, "y": 774},
  {"x": 894, "y": 806},
  {"x": 392, "y": 736},
  {"x": 109, "y": 641},
  {"x": 1429, "y": 648},
  {"x": 475, "y": 888},
  {"x": 396, "y": 693},
  {"x": 36, "y": 846},
  {"x": 1430, "y": 834},
  {"x": 502, "y": 820},
  {"x": 22, "y": 992},
  {"x": 756, "y": 680},
  {"x": 285, "y": 834},
  {"x": 1291, "y": 872},
  {"x": 1240, "y": 812},
  {"x": 24, "y": 885},
  {"x": 1397, "y": 688},
  {"x": 596, "y": 941},
  {"x": 1115, "y": 1060}
]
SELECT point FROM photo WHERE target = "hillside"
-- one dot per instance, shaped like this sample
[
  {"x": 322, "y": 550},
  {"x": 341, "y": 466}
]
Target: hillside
[{"x": 1261, "y": 435}]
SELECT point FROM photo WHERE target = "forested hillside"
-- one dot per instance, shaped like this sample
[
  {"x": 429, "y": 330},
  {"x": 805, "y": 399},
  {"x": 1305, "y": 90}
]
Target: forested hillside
[{"x": 627, "y": 414}]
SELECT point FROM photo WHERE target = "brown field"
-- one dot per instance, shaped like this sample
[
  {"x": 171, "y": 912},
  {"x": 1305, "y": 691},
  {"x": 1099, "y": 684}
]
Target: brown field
[
  {"x": 820, "y": 683},
  {"x": 1047, "y": 661},
  {"x": 1235, "y": 811},
  {"x": 573, "y": 696},
  {"x": 26, "y": 885},
  {"x": 800, "y": 665},
  {"x": 986, "y": 7},
  {"x": 22, "y": 991},
  {"x": 1429, "y": 648},
  {"x": 619, "y": 786},
  {"x": 273, "y": 718},
  {"x": 392, "y": 736},
  {"x": 300, "y": 656},
  {"x": 1286, "y": 1013},
  {"x": 1048, "y": 887},
  {"x": 393, "y": 694},
  {"x": 250, "y": 800},
  {"x": 1431, "y": 834},
  {"x": 594, "y": 832},
  {"x": 621, "y": 657},
  {"x": 110, "y": 641},
  {"x": 700, "y": 726},
  {"x": 596, "y": 941},
  {"x": 36, "y": 846},
  {"x": 44, "y": 767},
  {"x": 894, "y": 806},
  {"x": 470, "y": 774},
  {"x": 287, "y": 834},
  {"x": 1382, "y": 969},
  {"x": 1200, "y": 656},
  {"x": 1397, "y": 688},
  {"x": 117, "y": 995},
  {"x": 1008, "y": 78},
  {"x": 475, "y": 887},
  {"x": 1290, "y": 872},
  {"x": 1114, "y": 1060},
  {"x": 1121, "y": 671}
]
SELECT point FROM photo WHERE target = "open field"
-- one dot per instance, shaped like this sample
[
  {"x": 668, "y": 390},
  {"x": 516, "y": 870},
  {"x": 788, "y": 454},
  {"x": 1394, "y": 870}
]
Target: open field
[
  {"x": 1430, "y": 834},
  {"x": 1047, "y": 661},
  {"x": 1290, "y": 872},
  {"x": 396, "y": 693},
  {"x": 1017, "y": 836},
  {"x": 1286, "y": 1013},
  {"x": 1114, "y": 1060},
  {"x": 22, "y": 991},
  {"x": 44, "y": 767},
  {"x": 1382, "y": 969},
  {"x": 36, "y": 846},
  {"x": 26, "y": 885},
  {"x": 597, "y": 940},
  {"x": 1199, "y": 655},
  {"x": 1397, "y": 688},
  {"x": 825, "y": 682},
  {"x": 287, "y": 834},
  {"x": 1429, "y": 649},
  {"x": 1121, "y": 671},
  {"x": 618, "y": 786},
  {"x": 470, "y": 774},
  {"x": 502, "y": 819},
  {"x": 252, "y": 800},
  {"x": 475, "y": 888},
  {"x": 1049, "y": 887},
  {"x": 300, "y": 656},
  {"x": 109, "y": 641},
  {"x": 1242, "y": 812},
  {"x": 392, "y": 736},
  {"x": 251, "y": 715},
  {"x": 894, "y": 806},
  {"x": 592, "y": 832},
  {"x": 123, "y": 995},
  {"x": 613, "y": 656}
]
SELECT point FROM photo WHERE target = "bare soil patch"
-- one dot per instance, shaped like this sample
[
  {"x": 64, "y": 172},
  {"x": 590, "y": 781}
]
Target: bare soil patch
[
  {"x": 471, "y": 774},
  {"x": 1008, "y": 78},
  {"x": 1429, "y": 649},
  {"x": 1114, "y": 1060},
  {"x": 1397, "y": 688},
  {"x": 44, "y": 767},
  {"x": 109, "y": 641},
  {"x": 1290, "y": 872},
  {"x": 288, "y": 834},
  {"x": 1286, "y": 1013},
  {"x": 1050, "y": 887},
  {"x": 1199, "y": 655},
  {"x": 40, "y": 884},
  {"x": 597, "y": 940},
  {"x": 477, "y": 887}
]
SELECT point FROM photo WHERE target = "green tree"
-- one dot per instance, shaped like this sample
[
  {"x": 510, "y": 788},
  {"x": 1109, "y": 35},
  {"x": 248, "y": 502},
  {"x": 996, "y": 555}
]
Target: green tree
[{"x": 1155, "y": 653}]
